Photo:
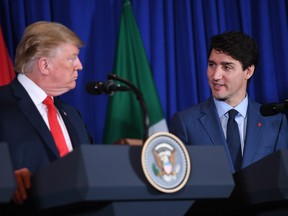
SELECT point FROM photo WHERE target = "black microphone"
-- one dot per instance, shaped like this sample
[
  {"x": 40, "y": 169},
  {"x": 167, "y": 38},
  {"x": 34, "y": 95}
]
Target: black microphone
[
  {"x": 140, "y": 98},
  {"x": 273, "y": 108},
  {"x": 108, "y": 87}
]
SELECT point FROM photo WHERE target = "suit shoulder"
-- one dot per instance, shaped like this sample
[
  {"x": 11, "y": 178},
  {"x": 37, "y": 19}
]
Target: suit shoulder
[
  {"x": 197, "y": 108},
  {"x": 5, "y": 92}
]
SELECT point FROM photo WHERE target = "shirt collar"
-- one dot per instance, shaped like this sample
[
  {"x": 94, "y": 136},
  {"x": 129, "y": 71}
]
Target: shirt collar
[
  {"x": 35, "y": 92},
  {"x": 223, "y": 108}
]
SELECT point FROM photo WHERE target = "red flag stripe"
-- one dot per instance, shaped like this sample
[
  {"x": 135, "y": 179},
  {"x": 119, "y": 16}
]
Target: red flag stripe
[{"x": 7, "y": 72}]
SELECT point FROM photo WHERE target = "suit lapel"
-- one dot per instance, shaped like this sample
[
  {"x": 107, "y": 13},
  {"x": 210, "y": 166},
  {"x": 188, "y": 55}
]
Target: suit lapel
[
  {"x": 253, "y": 134},
  {"x": 29, "y": 109},
  {"x": 209, "y": 120}
]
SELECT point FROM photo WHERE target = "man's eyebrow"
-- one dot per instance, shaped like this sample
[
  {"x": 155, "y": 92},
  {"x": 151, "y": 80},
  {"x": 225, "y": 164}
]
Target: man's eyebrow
[
  {"x": 227, "y": 63},
  {"x": 222, "y": 63}
]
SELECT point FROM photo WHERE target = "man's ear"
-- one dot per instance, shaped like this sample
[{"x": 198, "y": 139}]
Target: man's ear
[
  {"x": 249, "y": 71},
  {"x": 43, "y": 65}
]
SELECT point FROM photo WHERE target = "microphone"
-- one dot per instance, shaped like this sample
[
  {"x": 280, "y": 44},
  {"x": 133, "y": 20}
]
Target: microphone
[
  {"x": 273, "y": 108},
  {"x": 140, "y": 98},
  {"x": 108, "y": 87}
]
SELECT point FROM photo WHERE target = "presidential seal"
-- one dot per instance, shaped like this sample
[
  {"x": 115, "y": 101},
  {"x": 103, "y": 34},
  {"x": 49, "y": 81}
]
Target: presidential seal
[{"x": 165, "y": 162}]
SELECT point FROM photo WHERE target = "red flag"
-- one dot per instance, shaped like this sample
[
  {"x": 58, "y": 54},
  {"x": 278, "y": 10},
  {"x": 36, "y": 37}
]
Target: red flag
[{"x": 7, "y": 72}]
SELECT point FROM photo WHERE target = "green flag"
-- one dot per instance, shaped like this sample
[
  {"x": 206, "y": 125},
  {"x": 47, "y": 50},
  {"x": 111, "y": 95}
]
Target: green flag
[{"x": 124, "y": 114}]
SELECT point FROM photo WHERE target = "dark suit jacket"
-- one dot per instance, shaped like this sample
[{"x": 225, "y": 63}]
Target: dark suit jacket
[
  {"x": 200, "y": 125},
  {"x": 30, "y": 142}
]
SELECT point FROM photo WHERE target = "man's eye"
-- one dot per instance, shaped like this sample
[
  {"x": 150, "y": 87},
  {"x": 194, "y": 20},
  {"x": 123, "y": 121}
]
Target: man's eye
[
  {"x": 73, "y": 58},
  {"x": 211, "y": 64},
  {"x": 227, "y": 67}
]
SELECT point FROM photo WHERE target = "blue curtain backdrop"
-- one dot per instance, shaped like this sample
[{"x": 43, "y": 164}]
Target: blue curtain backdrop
[{"x": 175, "y": 34}]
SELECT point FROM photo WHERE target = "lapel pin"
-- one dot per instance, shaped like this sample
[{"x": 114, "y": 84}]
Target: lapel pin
[{"x": 64, "y": 112}]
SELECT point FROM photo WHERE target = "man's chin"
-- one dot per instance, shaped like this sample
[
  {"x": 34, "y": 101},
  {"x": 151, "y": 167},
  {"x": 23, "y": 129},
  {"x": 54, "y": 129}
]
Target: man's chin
[
  {"x": 63, "y": 91},
  {"x": 72, "y": 86},
  {"x": 220, "y": 98}
]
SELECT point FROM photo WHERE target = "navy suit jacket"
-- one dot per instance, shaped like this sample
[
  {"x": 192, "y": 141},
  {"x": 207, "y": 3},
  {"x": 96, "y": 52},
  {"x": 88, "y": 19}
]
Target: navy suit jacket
[
  {"x": 30, "y": 142},
  {"x": 200, "y": 125}
]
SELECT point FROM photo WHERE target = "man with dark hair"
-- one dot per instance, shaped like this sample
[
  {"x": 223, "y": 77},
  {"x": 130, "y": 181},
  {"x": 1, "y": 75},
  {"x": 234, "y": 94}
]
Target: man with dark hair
[{"x": 233, "y": 57}]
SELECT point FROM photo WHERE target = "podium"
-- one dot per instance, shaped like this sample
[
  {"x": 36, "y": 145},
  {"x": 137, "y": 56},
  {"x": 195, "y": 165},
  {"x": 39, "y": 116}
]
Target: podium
[
  {"x": 7, "y": 179},
  {"x": 262, "y": 187},
  {"x": 109, "y": 180},
  {"x": 266, "y": 180}
]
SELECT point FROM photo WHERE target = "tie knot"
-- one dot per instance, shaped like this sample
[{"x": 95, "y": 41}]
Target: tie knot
[
  {"x": 48, "y": 101},
  {"x": 232, "y": 113}
]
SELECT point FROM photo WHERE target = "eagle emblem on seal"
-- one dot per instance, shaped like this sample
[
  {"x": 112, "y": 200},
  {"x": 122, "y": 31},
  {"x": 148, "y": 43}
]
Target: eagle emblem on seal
[{"x": 164, "y": 166}]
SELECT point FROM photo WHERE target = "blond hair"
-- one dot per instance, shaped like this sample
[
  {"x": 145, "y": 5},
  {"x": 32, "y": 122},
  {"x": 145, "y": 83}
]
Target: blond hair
[{"x": 40, "y": 39}]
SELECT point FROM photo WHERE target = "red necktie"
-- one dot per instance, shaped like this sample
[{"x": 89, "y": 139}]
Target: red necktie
[{"x": 55, "y": 127}]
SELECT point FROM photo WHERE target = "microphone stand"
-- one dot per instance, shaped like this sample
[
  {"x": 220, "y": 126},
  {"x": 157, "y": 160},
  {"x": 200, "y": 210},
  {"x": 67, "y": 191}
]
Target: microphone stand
[{"x": 139, "y": 98}]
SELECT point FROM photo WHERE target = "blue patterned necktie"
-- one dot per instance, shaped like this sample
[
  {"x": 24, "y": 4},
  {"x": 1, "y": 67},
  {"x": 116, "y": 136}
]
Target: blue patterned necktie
[{"x": 233, "y": 140}]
